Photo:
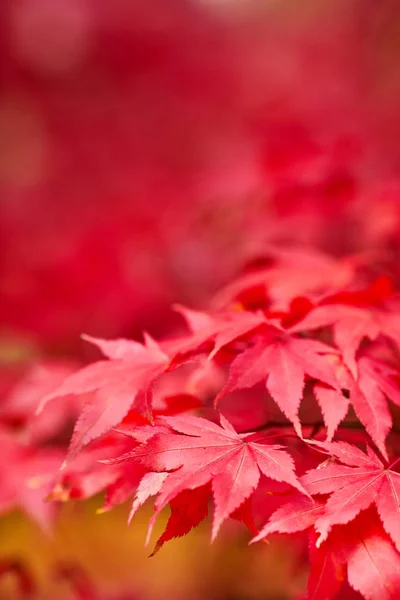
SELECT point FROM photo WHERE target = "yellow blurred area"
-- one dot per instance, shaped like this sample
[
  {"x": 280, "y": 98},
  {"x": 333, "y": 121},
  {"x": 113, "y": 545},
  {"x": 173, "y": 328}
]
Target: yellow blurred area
[{"x": 114, "y": 559}]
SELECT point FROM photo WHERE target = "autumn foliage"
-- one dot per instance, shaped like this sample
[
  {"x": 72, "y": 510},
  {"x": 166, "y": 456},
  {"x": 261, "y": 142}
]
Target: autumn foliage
[
  {"x": 269, "y": 393},
  {"x": 315, "y": 451}
]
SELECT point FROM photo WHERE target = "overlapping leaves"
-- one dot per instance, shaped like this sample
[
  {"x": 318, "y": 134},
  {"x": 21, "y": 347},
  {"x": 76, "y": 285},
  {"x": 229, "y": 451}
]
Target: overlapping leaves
[{"x": 336, "y": 347}]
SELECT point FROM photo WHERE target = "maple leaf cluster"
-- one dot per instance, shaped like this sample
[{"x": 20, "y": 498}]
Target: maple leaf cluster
[{"x": 279, "y": 405}]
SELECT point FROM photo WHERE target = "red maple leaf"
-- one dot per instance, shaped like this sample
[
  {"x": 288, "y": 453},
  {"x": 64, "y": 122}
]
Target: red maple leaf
[
  {"x": 334, "y": 403},
  {"x": 356, "y": 315},
  {"x": 196, "y": 452},
  {"x": 112, "y": 387},
  {"x": 211, "y": 332},
  {"x": 283, "y": 361},
  {"x": 365, "y": 551},
  {"x": 298, "y": 514},
  {"x": 362, "y": 548},
  {"x": 374, "y": 383},
  {"x": 356, "y": 482},
  {"x": 327, "y": 563},
  {"x": 367, "y": 394},
  {"x": 373, "y": 564}
]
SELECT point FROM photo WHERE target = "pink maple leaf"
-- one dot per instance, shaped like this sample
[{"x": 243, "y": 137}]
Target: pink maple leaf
[
  {"x": 112, "y": 387},
  {"x": 367, "y": 394},
  {"x": 283, "y": 361},
  {"x": 197, "y": 452},
  {"x": 357, "y": 482}
]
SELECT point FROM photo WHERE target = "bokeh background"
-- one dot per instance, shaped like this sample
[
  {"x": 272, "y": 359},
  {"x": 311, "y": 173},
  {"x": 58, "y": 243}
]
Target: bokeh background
[{"x": 148, "y": 150}]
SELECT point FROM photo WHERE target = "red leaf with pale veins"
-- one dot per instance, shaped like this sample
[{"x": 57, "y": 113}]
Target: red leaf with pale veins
[
  {"x": 239, "y": 325},
  {"x": 386, "y": 377},
  {"x": 354, "y": 488},
  {"x": 372, "y": 410},
  {"x": 298, "y": 514},
  {"x": 142, "y": 433},
  {"x": 349, "y": 333},
  {"x": 123, "y": 349},
  {"x": 201, "y": 452},
  {"x": 240, "y": 476},
  {"x": 333, "y": 404},
  {"x": 347, "y": 453},
  {"x": 111, "y": 387},
  {"x": 375, "y": 381},
  {"x": 283, "y": 361},
  {"x": 373, "y": 564},
  {"x": 370, "y": 405},
  {"x": 365, "y": 551},
  {"x": 351, "y": 325},
  {"x": 217, "y": 331}
]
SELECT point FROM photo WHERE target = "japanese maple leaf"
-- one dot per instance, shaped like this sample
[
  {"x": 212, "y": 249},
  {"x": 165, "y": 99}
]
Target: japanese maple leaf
[
  {"x": 327, "y": 564},
  {"x": 112, "y": 387},
  {"x": 376, "y": 381},
  {"x": 334, "y": 403},
  {"x": 189, "y": 509},
  {"x": 355, "y": 316},
  {"x": 197, "y": 452},
  {"x": 298, "y": 514},
  {"x": 363, "y": 549},
  {"x": 373, "y": 564},
  {"x": 283, "y": 361},
  {"x": 356, "y": 482},
  {"x": 351, "y": 328},
  {"x": 211, "y": 332}
]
